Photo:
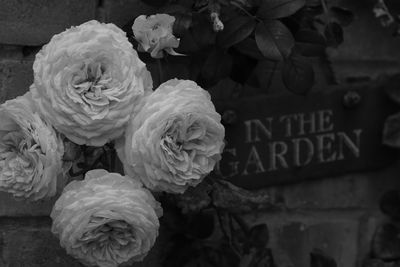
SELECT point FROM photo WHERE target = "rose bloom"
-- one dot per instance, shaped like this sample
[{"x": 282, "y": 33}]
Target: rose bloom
[
  {"x": 87, "y": 80},
  {"x": 106, "y": 219},
  {"x": 154, "y": 34},
  {"x": 30, "y": 151},
  {"x": 175, "y": 139}
]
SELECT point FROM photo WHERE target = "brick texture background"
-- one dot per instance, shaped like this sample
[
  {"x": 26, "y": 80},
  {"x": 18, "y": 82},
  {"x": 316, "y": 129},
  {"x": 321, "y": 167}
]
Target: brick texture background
[{"x": 336, "y": 214}]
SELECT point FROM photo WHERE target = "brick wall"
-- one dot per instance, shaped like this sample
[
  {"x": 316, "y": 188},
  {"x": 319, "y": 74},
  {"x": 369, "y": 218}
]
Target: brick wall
[{"x": 336, "y": 214}]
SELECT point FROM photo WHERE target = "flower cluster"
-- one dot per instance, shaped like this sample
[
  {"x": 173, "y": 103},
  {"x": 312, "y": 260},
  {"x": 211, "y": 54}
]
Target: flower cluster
[{"x": 91, "y": 90}]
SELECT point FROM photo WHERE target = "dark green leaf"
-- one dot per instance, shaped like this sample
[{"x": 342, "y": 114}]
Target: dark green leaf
[
  {"x": 187, "y": 44},
  {"x": 174, "y": 9},
  {"x": 225, "y": 90},
  {"x": 258, "y": 258},
  {"x": 313, "y": 3},
  {"x": 391, "y": 131},
  {"x": 259, "y": 236},
  {"x": 265, "y": 76},
  {"x": 298, "y": 74},
  {"x": 310, "y": 43},
  {"x": 249, "y": 48},
  {"x": 341, "y": 15},
  {"x": 217, "y": 66},
  {"x": 202, "y": 30},
  {"x": 200, "y": 225},
  {"x": 334, "y": 34},
  {"x": 182, "y": 24},
  {"x": 274, "y": 39},
  {"x": 320, "y": 259},
  {"x": 266, "y": 42},
  {"x": 390, "y": 204},
  {"x": 274, "y": 9},
  {"x": 236, "y": 30},
  {"x": 310, "y": 36}
]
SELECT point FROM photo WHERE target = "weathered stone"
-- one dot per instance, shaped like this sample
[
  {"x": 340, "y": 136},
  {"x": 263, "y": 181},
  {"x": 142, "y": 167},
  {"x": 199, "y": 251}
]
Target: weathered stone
[
  {"x": 10, "y": 207},
  {"x": 359, "y": 190},
  {"x": 380, "y": 263},
  {"x": 390, "y": 204},
  {"x": 16, "y": 75},
  {"x": 29, "y": 242},
  {"x": 294, "y": 237},
  {"x": 368, "y": 49},
  {"x": 386, "y": 242},
  {"x": 34, "y": 22}
]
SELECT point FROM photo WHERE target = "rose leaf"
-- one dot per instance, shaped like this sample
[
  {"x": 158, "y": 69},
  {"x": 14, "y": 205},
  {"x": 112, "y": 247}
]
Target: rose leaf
[
  {"x": 274, "y": 9},
  {"x": 274, "y": 39},
  {"x": 236, "y": 30},
  {"x": 298, "y": 74},
  {"x": 334, "y": 34}
]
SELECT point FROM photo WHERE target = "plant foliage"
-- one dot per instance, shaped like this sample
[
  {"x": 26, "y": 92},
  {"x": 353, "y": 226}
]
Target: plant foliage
[{"x": 227, "y": 39}]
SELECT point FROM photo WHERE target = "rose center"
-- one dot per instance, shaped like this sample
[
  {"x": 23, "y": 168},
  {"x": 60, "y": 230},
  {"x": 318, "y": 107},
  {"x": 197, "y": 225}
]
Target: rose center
[
  {"x": 113, "y": 234},
  {"x": 17, "y": 155},
  {"x": 93, "y": 82}
]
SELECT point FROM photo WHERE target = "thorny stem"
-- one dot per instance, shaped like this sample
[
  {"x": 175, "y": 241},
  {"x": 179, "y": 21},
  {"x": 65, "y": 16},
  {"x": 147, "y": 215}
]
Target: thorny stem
[
  {"x": 232, "y": 228},
  {"x": 160, "y": 70},
  {"x": 271, "y": 77},
  {"x": 111, "y": 156},
  {"x": 234, "y": 249},
  {"x": 241, "y": 223},
  {"x": 325, "y": 8}
]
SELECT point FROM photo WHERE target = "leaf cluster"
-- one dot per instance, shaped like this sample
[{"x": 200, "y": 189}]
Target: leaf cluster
[{"x": 286, "y": 33}]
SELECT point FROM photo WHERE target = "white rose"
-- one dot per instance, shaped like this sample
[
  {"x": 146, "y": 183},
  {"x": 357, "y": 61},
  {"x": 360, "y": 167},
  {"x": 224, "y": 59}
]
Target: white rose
[
  {"x": 175, "y": 139},
  {"x": 87, "y": 80},
  {"x": 106, "y": 219},
  {"x": 154, "y": 34},
  {"x": 30, "y": 151}
]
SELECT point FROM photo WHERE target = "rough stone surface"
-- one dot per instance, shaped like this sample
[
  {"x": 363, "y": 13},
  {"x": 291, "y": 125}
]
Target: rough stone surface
[
  {"x": 34, "y": 22},
  {"x": 294, "y": 236},
  {"x": 29, "y": 242},
  {"x": 344, "y": 192},
  {"x": 10, "y": 207},
  {"x": 16, "y": 75}
]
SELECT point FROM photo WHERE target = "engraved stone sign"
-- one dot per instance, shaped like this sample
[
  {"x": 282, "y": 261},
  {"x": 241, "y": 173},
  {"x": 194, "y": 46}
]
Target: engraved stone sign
[{"x": 278, "y": 139}]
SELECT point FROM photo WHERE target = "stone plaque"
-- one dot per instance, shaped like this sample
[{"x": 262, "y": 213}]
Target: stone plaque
[{"x": 279, "y": 139}]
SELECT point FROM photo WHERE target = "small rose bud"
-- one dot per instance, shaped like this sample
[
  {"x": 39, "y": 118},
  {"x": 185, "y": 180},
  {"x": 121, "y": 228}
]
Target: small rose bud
[
  {"x": 154, "y": 34},
  {"x": 217, "y": 23}
]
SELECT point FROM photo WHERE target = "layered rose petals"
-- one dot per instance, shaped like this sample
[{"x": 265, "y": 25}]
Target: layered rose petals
[
  {"x": 30, "y": 151},
  {"x": 106, "y": 219},
  {"x": 175, "y": 139},
  {"x": 87, "y": 80}
]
